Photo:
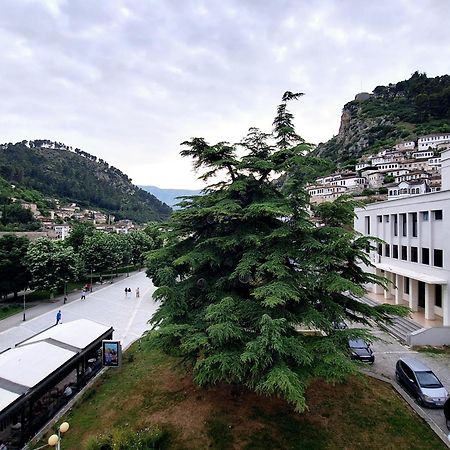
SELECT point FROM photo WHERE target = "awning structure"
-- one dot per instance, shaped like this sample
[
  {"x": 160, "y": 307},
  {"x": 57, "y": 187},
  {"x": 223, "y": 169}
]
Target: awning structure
[
  {"x": 77, "y": 334},
  {"x": 430, "y": 279},
  {"x": 35, "y": 366}
]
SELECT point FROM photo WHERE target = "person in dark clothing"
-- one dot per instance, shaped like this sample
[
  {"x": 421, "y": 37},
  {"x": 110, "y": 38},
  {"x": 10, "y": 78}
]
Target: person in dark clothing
[{"x": 58, "y": 317}]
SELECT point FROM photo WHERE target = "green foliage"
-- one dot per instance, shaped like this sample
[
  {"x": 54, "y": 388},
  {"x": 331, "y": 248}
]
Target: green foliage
[
  {"x": 102, "y": 252},
  {"x": 14, "y": 273},
  {"x": 78, "y": 233},
  {"x": 77, "y": 177},
  {"x": 244, "y": 265},
  {"x": 405, "y": 110},
  {"x": 127, "y": 439},
  {"x": 51, "y": 263},
  {"x": 16, "y": 218}
]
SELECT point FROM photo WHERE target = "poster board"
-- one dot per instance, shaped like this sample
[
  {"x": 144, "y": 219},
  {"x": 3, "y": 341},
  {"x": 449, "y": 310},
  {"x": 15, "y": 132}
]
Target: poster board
[{"x": 111, "y": 353}]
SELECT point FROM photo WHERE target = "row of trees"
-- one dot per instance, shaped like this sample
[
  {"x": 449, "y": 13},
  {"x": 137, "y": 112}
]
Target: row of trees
[{"x": 48, "y": 264}]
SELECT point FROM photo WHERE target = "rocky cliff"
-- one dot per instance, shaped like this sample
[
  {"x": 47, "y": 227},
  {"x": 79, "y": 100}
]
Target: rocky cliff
[{"x": 399, "y": 111}]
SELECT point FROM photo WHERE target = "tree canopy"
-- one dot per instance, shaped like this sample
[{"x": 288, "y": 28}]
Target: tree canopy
[{"x": 246, "y": 265}]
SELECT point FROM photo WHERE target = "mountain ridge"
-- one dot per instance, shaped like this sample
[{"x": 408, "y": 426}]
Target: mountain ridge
[
  {"x": 56, "y": 169},
  {"x": 169, "y": 196}
]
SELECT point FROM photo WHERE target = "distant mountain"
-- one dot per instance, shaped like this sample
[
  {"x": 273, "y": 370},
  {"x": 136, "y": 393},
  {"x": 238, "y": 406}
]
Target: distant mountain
[
  {"x": 55, "y": 169},
  {"x": 169, "y": 196},
  {"x": 400, "y": 111}
]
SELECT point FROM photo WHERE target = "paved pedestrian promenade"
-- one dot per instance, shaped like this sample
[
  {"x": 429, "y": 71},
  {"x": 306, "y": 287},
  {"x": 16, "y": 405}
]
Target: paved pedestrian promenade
[{"x": 108, "y": 305}]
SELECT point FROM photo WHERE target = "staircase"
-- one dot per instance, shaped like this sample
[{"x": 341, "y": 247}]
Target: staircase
[{"x": 399, "y": 327}]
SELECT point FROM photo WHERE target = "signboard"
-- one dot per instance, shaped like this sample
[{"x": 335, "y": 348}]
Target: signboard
[{"x": 111, "y": 353}]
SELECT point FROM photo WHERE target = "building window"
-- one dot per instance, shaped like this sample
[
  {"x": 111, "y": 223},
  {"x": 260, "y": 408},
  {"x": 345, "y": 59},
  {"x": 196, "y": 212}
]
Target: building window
[
  {"x": 386, "y": 218},
  {"x": 414, "y": 254},
  {"x": 438, "y": 295},
  {"x": 387, "y": 250},
  {"x": 438, "y": 258},
  {"x": 403, "y": 222},
  {"x": 367, "y": 224},
  {"x": 406, "y": 285},
  {"x": 425, "y": 216},
  {"x": 425, "y": 255},
  {"x": 395, "y": 251},
  {"x": 380, "y": 218},
  {"x": 380, "y": 249},
  {"x": 395, "y": 217},
  {"x": 437, "y": 214},
  {"x": 404, "y": 253},
  {"x": 414, "y": 224}
]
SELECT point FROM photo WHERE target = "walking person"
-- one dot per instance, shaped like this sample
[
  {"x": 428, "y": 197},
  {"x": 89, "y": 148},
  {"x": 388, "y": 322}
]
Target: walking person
[
  {"x": 83, "y": 294},
  {"x": 65, "y": 299},
  {"x": 129, "y": 290},
  {"x": 137, "y": 292},
  {"x": 58, "y": 317},
  {"x": 126, "y": 292}
]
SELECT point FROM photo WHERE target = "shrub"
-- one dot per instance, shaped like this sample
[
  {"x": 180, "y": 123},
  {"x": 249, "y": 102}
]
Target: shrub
[{"x": 126, "y": 439}]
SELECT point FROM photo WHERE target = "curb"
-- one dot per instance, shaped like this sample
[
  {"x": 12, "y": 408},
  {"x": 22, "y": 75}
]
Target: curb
[{"x": 431, "y": 423}]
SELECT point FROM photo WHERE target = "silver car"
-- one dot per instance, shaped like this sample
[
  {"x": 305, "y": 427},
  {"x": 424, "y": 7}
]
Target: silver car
[{"x": 420, "y": 381}]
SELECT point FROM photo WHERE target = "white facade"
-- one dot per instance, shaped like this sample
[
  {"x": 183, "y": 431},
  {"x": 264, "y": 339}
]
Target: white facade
[
  {"x": 416, "y": 254},
  {"x": 61, "y": 231},
  {"x": 406, "y": 188},
  {"x": 432, "y": 140},
  {"x": 409, "y": 145}
]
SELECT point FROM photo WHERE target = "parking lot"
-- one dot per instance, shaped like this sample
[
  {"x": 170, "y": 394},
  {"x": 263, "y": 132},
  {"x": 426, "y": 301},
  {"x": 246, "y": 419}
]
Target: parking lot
[{"x": 388, "y": 350}]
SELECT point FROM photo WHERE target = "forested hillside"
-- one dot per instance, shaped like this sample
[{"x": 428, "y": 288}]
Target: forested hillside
[
  {"x": 55, "y": 170},
  {"x": 400, "y": 111}
]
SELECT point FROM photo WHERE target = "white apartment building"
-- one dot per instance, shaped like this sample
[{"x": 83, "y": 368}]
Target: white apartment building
[
  {"x": 61, "y": 231},
  {"x": 423, "y": 154},
  {"x": 406, "y": 188},
  {"x": 405, "y": 146},
  {"x": 415, "y": 254},
  {"x": 432, "y": 140}
]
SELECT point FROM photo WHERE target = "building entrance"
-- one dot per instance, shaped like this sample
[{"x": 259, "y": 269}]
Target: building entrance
[{"x": 421, "y": 299}]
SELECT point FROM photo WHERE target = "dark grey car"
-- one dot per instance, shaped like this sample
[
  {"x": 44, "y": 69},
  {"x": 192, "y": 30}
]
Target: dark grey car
[{"x": 420, "y": 381}]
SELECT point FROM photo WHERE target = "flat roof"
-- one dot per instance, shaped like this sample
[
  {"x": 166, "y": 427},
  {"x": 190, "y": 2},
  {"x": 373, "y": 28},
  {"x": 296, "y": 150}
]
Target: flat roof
[
  {"x": 78, "y": 333},
  {"x": 30, "y": 364},
  {"x": 411, "y": 274},
  {"x": 32, "y": 361},
  {"x": 6, "y": 398}
]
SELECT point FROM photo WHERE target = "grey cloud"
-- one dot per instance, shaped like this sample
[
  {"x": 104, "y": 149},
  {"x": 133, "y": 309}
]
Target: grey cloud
[{"x": 129, "y": 80}]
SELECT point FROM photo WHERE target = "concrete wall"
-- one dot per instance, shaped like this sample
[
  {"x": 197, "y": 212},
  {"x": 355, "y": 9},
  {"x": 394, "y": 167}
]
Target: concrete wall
[{"x": 435, "y": 336}]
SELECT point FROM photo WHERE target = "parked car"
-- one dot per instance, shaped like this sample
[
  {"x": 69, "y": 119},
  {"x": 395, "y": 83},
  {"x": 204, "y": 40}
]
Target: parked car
[
  {"x": 420, "y": 381},
  {"x": 361, "y": 351},
  {"x": 340, "y": 325}
]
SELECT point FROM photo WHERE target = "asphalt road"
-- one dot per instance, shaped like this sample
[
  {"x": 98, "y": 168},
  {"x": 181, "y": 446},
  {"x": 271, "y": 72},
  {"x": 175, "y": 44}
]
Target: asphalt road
[{"x": 387, "y": 352}]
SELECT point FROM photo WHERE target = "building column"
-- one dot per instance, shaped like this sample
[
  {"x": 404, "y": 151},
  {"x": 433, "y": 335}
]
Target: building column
[
  {"x": 387, "y": 292},
  {"x": 399, "y": 289},
  {"x": 445, "y": 305},
  {"x": 413, "y": 294},
  {"x": 377, "y": 289},
  {"x": 429, "y": 301}
]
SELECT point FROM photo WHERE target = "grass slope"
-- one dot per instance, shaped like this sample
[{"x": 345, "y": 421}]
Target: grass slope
[{"x": 152, "y": 389}]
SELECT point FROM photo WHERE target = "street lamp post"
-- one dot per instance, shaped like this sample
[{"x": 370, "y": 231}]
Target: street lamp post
[
  {"x": 91, "y": 280},
  {"x": 55, "y": 439},
  {"x": 24, "y": 303}
]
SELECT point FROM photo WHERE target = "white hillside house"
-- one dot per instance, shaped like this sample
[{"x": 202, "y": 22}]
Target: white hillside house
[{"x": 432, "y": 141}]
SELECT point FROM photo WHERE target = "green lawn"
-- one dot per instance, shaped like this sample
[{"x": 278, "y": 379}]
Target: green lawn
[
  {"x": 152, "y": 390},
  {"x": 7, "y": 310}
]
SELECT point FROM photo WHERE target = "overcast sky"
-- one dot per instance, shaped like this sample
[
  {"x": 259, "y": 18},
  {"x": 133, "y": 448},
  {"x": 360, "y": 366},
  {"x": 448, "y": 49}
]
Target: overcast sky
[{"x": 129, "y": 80}]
